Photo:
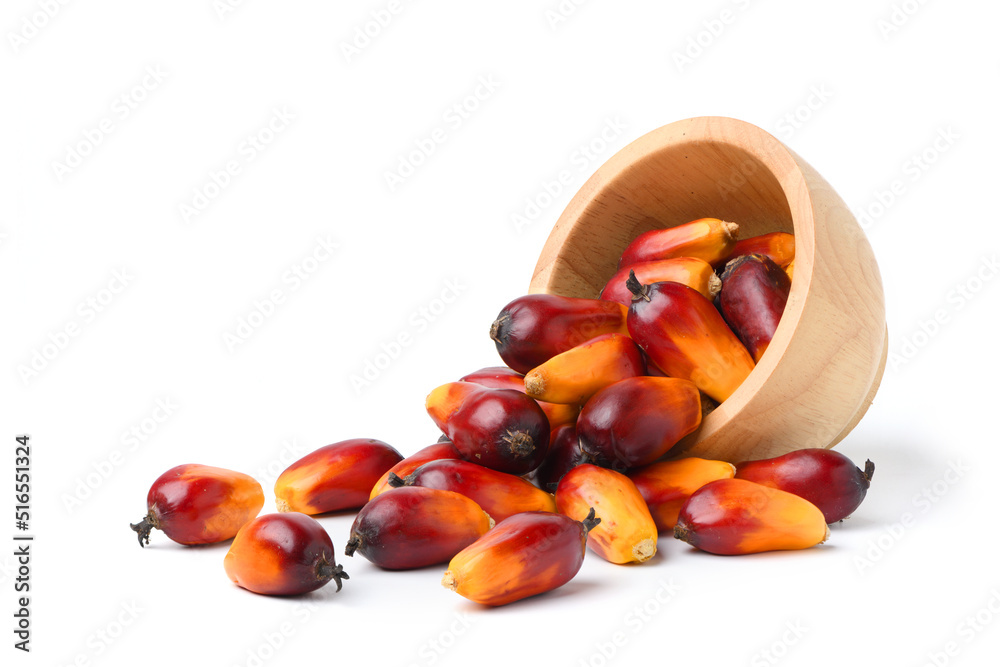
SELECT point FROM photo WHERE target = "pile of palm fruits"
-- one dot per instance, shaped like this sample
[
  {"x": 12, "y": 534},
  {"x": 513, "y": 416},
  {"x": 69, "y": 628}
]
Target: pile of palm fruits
[{"x": 565, "y": 447}]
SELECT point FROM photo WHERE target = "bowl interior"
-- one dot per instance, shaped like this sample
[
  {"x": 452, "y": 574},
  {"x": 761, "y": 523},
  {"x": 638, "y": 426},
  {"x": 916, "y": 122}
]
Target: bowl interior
[{"x": 660, "y": 181}]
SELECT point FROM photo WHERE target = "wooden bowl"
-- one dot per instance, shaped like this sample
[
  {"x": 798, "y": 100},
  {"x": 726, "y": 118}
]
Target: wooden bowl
[{"x": 823, "y": 367}]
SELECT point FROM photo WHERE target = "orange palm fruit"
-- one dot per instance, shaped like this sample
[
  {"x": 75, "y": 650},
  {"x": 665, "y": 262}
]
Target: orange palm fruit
[
  {"x": 501, "y": 429},
  {"x": 534, "y": 328},
  {"x": 336, "y": 477},
  {"x": 627, "y": 533},
  {"x": 198, "y": 504},
  {"x": 666, "y": 485},
  {"x": 695, "y": 273},
  {"x": 415, "y": 527},
  {"x": 501, "y": 377},
  {"x": 435, "y": 452},
  {"x": 734, "y": 516},
  {"x": 708, "y": 239},
  {"x": 527, "y": 554},
  {"x": 779, "y": 246},
  {"x": 752, "y": 300},
  {"x": 283, "y": 554},
  {"x": 499, "y": 494},
  {"x": 637, "y": 420},
  {"x": 564, "y": 455},
  {"x": 686, "y": 337},
  {"x": 577, "y": 374},
  {"x": 827, "y": 479}
]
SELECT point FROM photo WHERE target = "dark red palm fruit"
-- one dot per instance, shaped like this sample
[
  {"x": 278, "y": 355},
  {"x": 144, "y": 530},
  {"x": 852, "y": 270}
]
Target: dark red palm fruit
[
  {"x": 198, "y": 504},
  {"x": 532, "y": 329},
  {"x": 637, "y": 420},
  {"x": 687, "y": 338},
  {"x": 753, "y": 297},
  {"x": 527, "y": 554},
  {"x": 708, "y": 239},
  {"x": 501, "y": 377},
  {"x": 435, "y": 452},
  {"x": 414, "y": 526},
  {"x": 283, "y": 554},
  {"x": 336, "y": 477},
  {"x": 779, "y": 246},
  {"x": 499, "y": 494},
  {"x": 827, "y": 479},
  {"x": 501, "y": 429},
  {"x": 564, "y": 455}
]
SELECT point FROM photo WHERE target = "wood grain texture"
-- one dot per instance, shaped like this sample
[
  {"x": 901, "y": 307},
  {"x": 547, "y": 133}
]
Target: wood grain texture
[{"x": 824, "y": 364}]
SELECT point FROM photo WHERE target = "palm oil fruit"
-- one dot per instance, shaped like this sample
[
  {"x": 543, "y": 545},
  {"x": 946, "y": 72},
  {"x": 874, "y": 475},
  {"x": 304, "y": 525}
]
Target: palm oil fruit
[
  {"x": 198, "y": 504},
  {"x": 564, "y": 455},
  {"x": 501, "y": 429},
  {"x": 753, "y": 297},
  {"x": 577, "y": 374},
  {"x": 499, "y": 494},
  {"x": 779, "y": 246},
  {"x": 414, "y": 527},
  {"x": 827, "y": 479},
  {"x": 666, "y": 485},
  {"x": 335, "y": 477},
  {"x": 708, "y": 239},
  {"x": 501, "y": 377},
  {"x": 283, "y": 554},
  {"x": 435, "y": 452},
  {"x": 532, "y": 329},
  {"x": 733, "y": 516},
  {"x": 636, "y": 421},
  {"x": 687, "y": 338},
  {"x": 627, "y": 532},
  {"x": 524, "y": 555},
  {"x": 695, "y": 273}
]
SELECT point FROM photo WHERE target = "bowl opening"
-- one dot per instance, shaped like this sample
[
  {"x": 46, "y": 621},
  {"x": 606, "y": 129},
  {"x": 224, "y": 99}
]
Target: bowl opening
[{"x": 668, "y": 186}]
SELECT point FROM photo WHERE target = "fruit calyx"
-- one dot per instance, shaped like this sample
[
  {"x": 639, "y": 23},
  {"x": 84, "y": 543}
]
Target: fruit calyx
[
  {"x": 145, "y": 526},
  {"x": 638, "y": 290}
]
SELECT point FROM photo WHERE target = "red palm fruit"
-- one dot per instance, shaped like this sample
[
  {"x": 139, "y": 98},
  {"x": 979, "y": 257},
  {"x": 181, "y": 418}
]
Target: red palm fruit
[
  {"x": 779, "y": 246},
  {"x": 283, "y": 554},
  {"x": 501, "y": 429},
  {"x": 534, "y": 328},
  {"x": 524, "y": 555},
  {"x": 499, "y": 494},
  {"x": 501, "y": 377},
  {"x": 666, "y": 485},
  {"x": 708, "y": 239},
  {"x": 734, "y": 516},
  {"x": 686, "y": 337},
  {"x": 827, "y": 479},
  {"x": 196, "y": 504},
  {"x": 564, "y": 455},
  {"x": 336, "y": 477},
  {"x": 753, "y": 297},
  {"x": 413, "y": 527},
  {"x": 695, "y": 273},
  {"x": 435, "y": 452},
  {"x": 577, "y": 374},
  {"x": 627, "y": 533},
  {"x": 636, "y": 421}
]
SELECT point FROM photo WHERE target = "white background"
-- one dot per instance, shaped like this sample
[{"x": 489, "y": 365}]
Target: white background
[{"x": 896, "y": 583}]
